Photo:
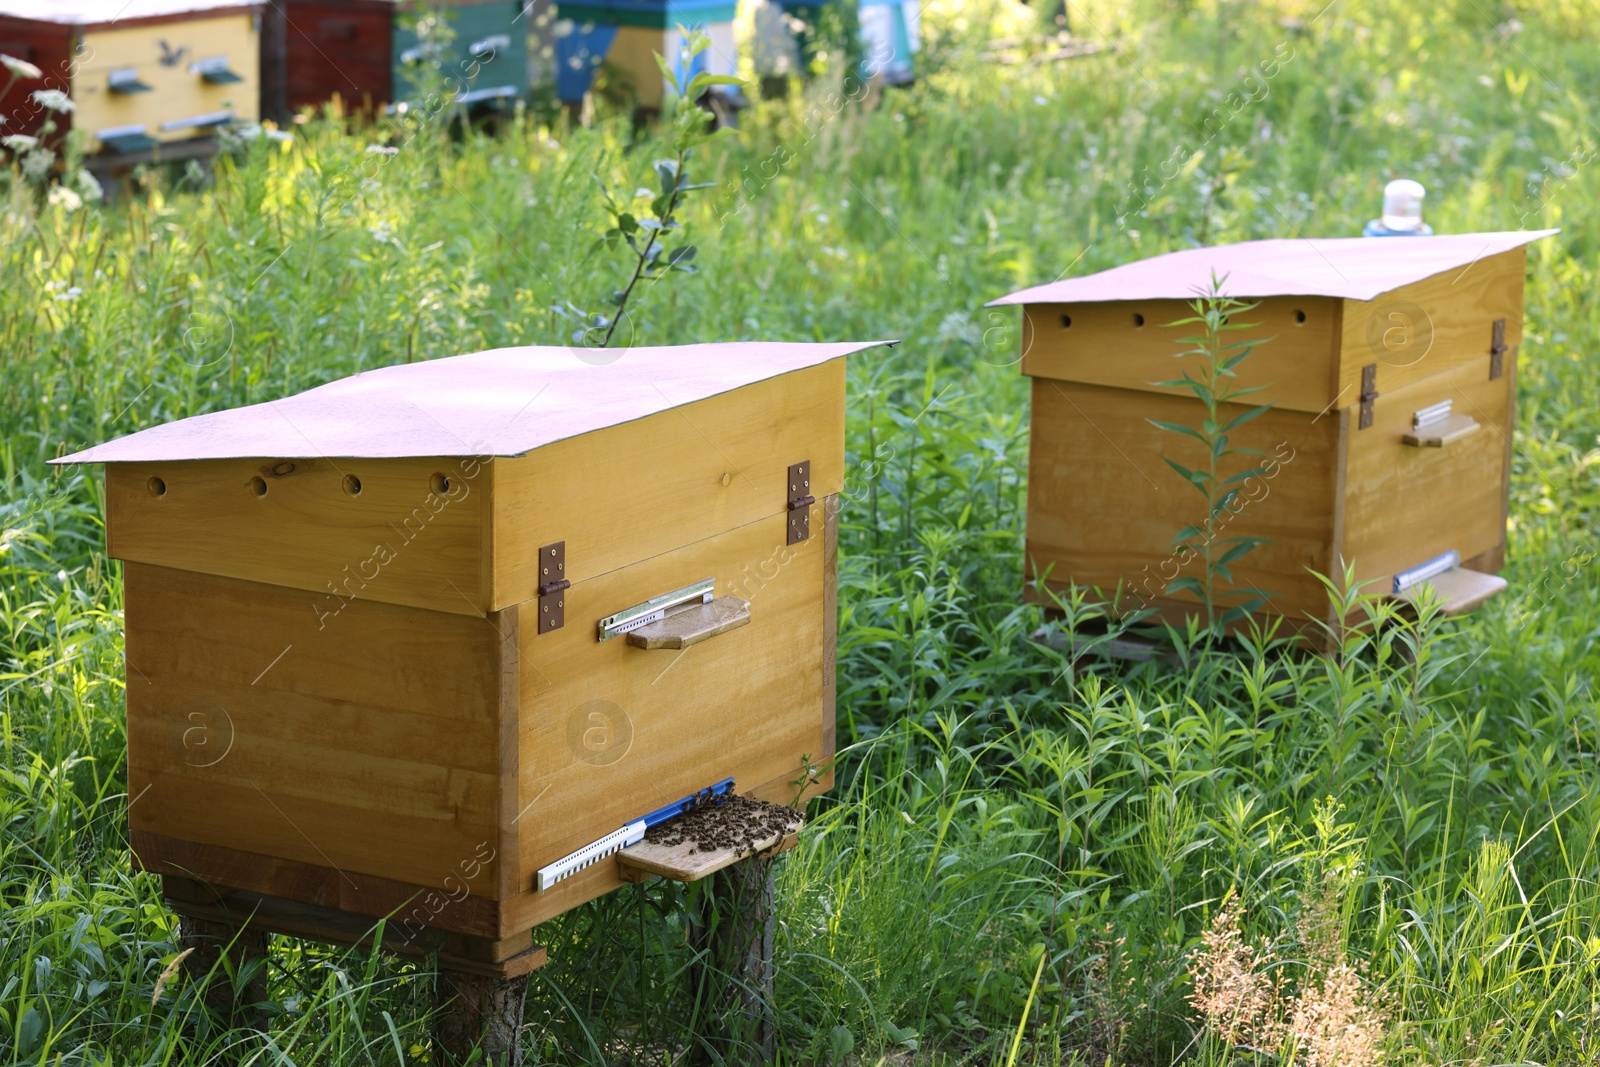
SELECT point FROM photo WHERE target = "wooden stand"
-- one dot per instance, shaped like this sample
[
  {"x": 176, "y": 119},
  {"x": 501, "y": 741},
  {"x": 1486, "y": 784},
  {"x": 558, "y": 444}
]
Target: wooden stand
[
  {"x": 483, "y": 984},
  {"x": 478, "y": 1000}
]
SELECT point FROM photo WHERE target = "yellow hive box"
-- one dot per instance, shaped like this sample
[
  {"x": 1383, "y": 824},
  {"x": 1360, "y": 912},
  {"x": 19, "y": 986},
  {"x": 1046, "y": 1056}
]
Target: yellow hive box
[
  {"x": 1389, "y": 365},
  {"x": 144, "y": 72},
  {"x": 391, "y": 647}
]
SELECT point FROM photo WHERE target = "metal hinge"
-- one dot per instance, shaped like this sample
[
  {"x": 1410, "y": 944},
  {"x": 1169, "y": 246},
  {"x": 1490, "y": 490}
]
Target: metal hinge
[
  {"x": 1369, "y": 393},
  {"x": 800, "y": 501},
  {"x": 553, "y": 585},
  {"x": 1498, "y": 350}
]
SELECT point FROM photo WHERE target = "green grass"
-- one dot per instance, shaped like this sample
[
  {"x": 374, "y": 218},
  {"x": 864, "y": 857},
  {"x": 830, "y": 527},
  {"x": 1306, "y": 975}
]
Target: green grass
[{"x": 1001, "y": 803}]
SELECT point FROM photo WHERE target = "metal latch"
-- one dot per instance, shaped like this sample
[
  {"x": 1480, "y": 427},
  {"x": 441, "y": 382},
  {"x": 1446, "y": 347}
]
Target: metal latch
[
  {"x": 654, "y": 609},
  {"x": 800, "y": 501},
  {"x": 1498, "y": 350},
  {"x": 553, "y": 585},
  {"x": 1369, "y": 393}
]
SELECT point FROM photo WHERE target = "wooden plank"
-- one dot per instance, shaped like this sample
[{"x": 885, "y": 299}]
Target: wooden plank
[
  {"x": 1105, "y": 345},
  {"x": 830, "y": 649},
  {"x": 508, "y": 712},
  {"x": 420, "y": 906},
  {"x": 1176, "y": 613},
  {"x": 1443, "y": 432},
  {"x": 683, "y": 863},
  {"x": 406, "y": 538},
  {"x": 511, "y": 958},
  {"x": 1103, "y": 508},
  {"x": 611, "y": 732},
  {"x": 1457, "y": 590},
  {"x": 688, "y": 626},
  {"x": 1432, "y": 326},
  {"x": 670, "y": 479},
  {"x": 1405, "y": 505},
  {"x": 369, "y": 746},
  {"x": 1509, "y": 370}
]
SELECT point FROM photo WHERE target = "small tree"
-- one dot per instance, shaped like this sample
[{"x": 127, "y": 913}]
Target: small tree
[
  {"x": 1214, "y": 386},
  {"x": 651, "y": 256}
]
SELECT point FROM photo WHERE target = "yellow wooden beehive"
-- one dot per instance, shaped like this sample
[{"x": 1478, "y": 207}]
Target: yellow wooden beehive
[
  {"x": 144, "y": 72},
  {"x": 370, "y": 653},
  {"x": 1390, "y": 367}
]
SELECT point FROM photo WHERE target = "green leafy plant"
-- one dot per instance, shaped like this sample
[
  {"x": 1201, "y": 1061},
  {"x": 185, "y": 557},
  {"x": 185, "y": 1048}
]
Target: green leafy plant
[
  {"x": 991, "y": 794},
  {"x": 1214, "y": 386},
  {"x": 35, "y": 158},
  {"x": 652, "y": 255}
]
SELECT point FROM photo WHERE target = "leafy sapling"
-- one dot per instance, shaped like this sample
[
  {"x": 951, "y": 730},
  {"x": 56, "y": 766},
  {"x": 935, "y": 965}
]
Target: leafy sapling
[
  {"x": 1215, "y": 387},
  {"x": 654, "y": 252}
]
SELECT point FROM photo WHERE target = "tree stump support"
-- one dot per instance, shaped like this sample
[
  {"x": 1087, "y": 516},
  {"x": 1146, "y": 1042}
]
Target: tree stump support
[
  {"x": 233, "y": 964},
  {"x": 478, "y": 1011},
  {"x": 731, "y": 932},
  {"x": 731, "y": 926}
]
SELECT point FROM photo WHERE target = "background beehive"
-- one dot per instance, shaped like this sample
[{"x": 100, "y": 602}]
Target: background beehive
[
  {"x": 343, "y": 698},
  {"x": 627, "y": 35},
  {"x": 498, "y": 27},
  {"x": 1104, "y": 507},
  {"x": 314, "y": 50},
  {"x": 158, "y": 42}
]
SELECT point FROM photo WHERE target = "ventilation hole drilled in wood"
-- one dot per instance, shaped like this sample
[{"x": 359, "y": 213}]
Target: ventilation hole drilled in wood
[
  {"x": 1299, "y": 317},
  {"x": 352, "y": 485},
  {"x": 1138, "y": 321},
  {"x": 158, "y": 488},
  {"x": 440, "y": 483},
  {"x": 1066, "y": 322},
  {"x": 258, "y": 486}
]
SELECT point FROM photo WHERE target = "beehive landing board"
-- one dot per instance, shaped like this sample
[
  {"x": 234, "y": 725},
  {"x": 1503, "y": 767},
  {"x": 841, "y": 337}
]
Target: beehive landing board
[
  {"x": 683, "y": 863},
  {"x": 314, "y": 723},
  {"x": 708, "y": 839}
]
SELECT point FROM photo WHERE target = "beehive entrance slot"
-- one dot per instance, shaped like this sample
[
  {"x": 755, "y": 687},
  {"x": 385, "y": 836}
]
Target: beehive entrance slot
[{"x": 655, "y": 609}]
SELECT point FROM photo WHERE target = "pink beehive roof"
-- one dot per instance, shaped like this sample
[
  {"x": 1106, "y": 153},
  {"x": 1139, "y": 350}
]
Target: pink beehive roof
[
  {"x": 499, "y": 403},
  {"x": 1352, "y": 268}
]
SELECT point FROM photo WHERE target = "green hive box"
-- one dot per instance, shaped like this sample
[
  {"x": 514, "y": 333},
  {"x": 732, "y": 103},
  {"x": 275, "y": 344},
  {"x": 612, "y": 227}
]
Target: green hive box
[{"x": 485, "y": 62}]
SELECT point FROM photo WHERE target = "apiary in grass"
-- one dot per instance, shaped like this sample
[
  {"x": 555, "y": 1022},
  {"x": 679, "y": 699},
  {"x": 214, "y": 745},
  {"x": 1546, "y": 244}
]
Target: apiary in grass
[
  {"x": 480, "y": 54},
  {"x": 140, "y": 72},
  {"x": 314, "y": 50},
  {"x": 1390, "y": 368},
  {"x": 627, "y": 35},
  {"x": 408, "y": 643}
]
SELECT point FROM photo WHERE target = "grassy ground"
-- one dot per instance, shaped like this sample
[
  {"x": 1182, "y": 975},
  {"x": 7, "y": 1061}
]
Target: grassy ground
[{"x": 1405, "y": 831}]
